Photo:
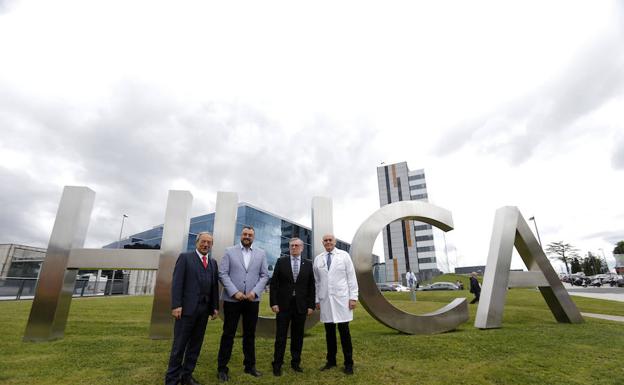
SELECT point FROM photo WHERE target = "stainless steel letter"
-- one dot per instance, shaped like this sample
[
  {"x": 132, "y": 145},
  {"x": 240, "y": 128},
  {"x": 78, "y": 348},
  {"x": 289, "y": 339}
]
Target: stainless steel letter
[
  {"x": 510, "y": 229},
  {"x": 174, "y": 241},
  {"x": 48, "y": 314},
  {"x": 442, "y": 320}
]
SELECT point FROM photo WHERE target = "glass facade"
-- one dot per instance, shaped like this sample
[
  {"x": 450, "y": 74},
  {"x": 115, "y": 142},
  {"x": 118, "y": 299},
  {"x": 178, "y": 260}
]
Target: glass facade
[{"x": 272, "y": 233}]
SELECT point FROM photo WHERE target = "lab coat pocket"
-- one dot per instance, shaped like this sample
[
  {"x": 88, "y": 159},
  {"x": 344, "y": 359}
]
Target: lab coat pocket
[{"x": 338, "y": 291}]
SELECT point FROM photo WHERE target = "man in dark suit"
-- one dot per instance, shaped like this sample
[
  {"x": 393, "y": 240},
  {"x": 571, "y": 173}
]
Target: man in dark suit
[
  {"x": 474, "y": 287},
  {"x": 292, "y": 299},
  {"x": 194, "y": 298},
  {"x": 244, "y": 274}
]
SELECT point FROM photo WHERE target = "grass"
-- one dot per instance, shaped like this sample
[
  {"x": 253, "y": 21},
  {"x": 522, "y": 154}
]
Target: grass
[{"x": 106, "y": 343}]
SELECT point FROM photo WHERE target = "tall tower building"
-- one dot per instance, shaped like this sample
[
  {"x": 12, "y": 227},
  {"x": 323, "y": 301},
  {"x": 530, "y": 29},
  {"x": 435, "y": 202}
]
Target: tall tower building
[{"x": 408, "y": 245}]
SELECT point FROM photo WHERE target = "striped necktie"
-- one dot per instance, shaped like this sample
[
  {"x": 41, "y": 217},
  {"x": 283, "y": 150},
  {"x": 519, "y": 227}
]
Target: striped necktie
[{"x": 295, "y": 268}]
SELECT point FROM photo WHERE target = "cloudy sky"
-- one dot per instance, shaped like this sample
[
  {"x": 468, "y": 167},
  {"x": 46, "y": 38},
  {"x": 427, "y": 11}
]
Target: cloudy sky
[{"x": 503, "y": 103}]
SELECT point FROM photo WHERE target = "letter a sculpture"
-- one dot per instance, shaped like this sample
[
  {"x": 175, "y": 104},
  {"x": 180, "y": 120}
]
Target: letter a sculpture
[{"x": 510, "y": 229}]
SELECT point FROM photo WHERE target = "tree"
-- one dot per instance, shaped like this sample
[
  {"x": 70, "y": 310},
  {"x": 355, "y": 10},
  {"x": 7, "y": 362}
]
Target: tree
[
  {"x": 575, "y": 265},
  {"x": 619, "y": 248},
  {"x": 562, "y": 251},
  {"x": 592, "y": 264}
]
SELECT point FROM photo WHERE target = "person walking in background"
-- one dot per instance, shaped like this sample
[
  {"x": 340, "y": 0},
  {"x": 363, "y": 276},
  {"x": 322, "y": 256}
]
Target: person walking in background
[
  {"x": 292, "y": 295},
  {"x": 194, "y": 298},
  {"x": 411, "y": 279},
  {"x": 244, "y": 275},
  {"x": 336, "y": 297},
  {"x": 474, "y": 287}
]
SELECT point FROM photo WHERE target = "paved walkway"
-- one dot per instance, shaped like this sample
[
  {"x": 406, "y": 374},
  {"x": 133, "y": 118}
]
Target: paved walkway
[
  {"x": 604, "y": 316},
  {"x": 610, "y": 293}
]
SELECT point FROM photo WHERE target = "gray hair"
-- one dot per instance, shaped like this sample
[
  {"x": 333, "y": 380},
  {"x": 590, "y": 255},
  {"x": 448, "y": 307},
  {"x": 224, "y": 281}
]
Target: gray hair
[{"x": 200, "y": 234}]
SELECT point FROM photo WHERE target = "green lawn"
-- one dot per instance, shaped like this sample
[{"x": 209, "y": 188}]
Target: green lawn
[{"x": 106, "y": 343}]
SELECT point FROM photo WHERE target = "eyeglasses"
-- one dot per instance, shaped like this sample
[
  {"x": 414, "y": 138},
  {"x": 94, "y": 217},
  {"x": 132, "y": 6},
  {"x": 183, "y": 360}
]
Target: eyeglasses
[{"x": 296, "y": 245}]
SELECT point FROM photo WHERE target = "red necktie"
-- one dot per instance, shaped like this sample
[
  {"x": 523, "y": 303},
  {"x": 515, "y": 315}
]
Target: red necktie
[{"x": 205, "y": 261}]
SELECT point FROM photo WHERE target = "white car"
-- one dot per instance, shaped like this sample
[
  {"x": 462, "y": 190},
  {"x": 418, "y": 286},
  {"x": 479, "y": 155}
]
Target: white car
[
  {"x": 400, "y": 287},
  {"x": 440, "y": 286}
]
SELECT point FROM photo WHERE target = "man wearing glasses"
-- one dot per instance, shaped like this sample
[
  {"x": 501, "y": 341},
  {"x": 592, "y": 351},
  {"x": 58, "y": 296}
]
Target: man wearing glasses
[{"x": 292, "y": 300}]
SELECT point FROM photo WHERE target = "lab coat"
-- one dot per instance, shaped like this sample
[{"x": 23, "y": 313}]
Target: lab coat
[{"x": 335, "y": 287}]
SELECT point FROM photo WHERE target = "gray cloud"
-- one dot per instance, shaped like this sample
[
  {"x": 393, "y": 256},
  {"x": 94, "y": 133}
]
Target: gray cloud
[
  {"x": 6, "y": 5},
  {"x": 592, "y": 80},
  {"x": 22, "y": 200},
  {"x": 611, "y": 236},
  {"x": 133, "y": 149},
  {"x": 617, "y": 160}
]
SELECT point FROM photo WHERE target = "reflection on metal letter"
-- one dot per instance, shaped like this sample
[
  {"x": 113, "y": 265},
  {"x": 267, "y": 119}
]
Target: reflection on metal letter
[
  {"x": 510, "y": 229},
  {"x": 174, "y": 242},
  {"x": 442, "y": 320},
  {"x": 48, "y": 314}
]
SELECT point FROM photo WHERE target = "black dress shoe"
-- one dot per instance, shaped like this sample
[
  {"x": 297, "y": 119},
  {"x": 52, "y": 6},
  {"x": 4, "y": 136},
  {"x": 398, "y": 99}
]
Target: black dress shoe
[
  {"x": 252, "y": 371},
  {"x": 348, "y": 370},
  {"x": 277, "y": 371},
  {"x": 189, "y": 381},
  {"x": 297, "y": 368},
  {"x": 327, "y": 366},
  {"x": 223, "y": 376}
]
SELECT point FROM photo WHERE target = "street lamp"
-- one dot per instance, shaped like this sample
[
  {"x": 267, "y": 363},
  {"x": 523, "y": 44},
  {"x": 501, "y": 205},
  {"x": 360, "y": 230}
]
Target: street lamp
[
  {"x": 123, "y": 218},
  {"x": 605, "y": 259},
  {"x": 538, "y": 236}
]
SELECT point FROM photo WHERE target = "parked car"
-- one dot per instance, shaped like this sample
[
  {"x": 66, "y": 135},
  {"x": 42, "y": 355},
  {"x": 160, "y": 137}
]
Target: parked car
[
  {"x": 385, "y": 287},
  {"x": 597, "y": 282},
  {"x": 579, "y": 281},
  {"x": 440, "y": 286},
  {"x": 399, "y": 287}
]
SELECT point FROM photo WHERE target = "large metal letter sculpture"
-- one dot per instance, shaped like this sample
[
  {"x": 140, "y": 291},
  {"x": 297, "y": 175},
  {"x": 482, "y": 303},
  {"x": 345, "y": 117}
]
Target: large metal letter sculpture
[
  {"x": 48, "y": 314},
  {"x": 65, "y": 255},
  {"x": 174, "y": 241},
  {"x": 442, "y": 320},
  {"x": 510, "y": 229}
]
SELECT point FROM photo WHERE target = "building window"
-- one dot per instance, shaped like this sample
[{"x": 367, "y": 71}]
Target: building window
[
  {"x": 418, "y": 186},
  {"x": 424, "y": 238},
  {"x": 422, "y": 227},
  {"x": 425, "y": 249},
  {"x": 416, "y": 177},
  {"x": 420, "y": 196}
]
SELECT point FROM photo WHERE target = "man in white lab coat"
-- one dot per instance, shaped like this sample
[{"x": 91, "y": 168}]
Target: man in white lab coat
[{"x": 336, "y": 297}]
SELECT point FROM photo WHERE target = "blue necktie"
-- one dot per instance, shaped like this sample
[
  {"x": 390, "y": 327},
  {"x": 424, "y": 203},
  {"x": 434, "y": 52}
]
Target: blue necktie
[{"x": 328, "y": 260}]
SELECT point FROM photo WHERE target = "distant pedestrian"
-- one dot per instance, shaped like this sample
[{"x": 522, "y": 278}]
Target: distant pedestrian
[
  {"x": 460, "y": 284},
  {"x": 474, "y": 287},
  {"x": 412, "y": 281}
]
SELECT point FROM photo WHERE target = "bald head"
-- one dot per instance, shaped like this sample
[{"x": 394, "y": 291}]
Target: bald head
[{"x": 329, "y": 242}]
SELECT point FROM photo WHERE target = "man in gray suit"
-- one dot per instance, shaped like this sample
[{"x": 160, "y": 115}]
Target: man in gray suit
[{"x": 244, "y": 274}]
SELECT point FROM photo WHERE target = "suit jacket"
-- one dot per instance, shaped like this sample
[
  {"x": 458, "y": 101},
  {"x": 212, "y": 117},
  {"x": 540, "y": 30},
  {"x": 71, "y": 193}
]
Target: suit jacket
[
  {"x": 283, "y": 285},
  {"x": 474, "y": 286},
  {"x": 186, "y": 283},
  {"x": 234, "y": 277}
]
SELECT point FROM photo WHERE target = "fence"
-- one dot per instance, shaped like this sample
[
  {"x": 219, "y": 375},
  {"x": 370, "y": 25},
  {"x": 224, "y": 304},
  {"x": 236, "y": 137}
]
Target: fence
[{"x": 24, "y": 288}]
